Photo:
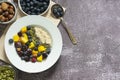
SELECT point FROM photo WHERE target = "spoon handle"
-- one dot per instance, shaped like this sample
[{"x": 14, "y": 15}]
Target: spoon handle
[{"x": 71, "y": 36}]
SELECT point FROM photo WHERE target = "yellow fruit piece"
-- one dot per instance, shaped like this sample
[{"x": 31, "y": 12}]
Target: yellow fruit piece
[
  {"x": 24, "y": 29},
  {"x": 35, "y": 55},
  {"x": 23, "y": 40},
  {"x": 40, "y": 58},
  {"x": 16, "y": 38},
  {"x": 32, "y": 45},
  {"x": 25, "y": 36},
  {"x": 34, "y": 52},
  {"x": 41, "y": 48}
]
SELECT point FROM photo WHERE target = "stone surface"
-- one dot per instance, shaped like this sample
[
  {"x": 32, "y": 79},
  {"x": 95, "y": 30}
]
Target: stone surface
[{"x": 96, "y": 26}]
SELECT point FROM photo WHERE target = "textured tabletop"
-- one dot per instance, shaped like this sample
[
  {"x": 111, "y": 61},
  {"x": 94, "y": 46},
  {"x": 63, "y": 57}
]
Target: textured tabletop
[{"x": 96, "y": 26}]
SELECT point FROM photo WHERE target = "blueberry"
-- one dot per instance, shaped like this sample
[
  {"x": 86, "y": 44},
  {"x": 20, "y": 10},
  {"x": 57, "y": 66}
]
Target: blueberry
[
  {"x": 40, "y": 4},
  {"x": 25, "y": 52},
  {"x": 48, "y": 50},
  {"x": 39, "y": 54},
  {"x": 47, "y": 1},
  {"x": 54, "y": 11},
  {"x": 40, "y": 0},
  {"x": 20, "y": 34},
  {"x": 24, "y": 47},
  {"x": 36, "y": 48},
  {"x": 10, "y": 41},
  {"x": 26, "y": 58},
  {"x": 18, "y": 44},
  {"x": 28, "y": 33},
  {"x": 42, "y": 9},
  {"x": 61, "y": 14},
  {"x": 27, "y": 44},
  {"x": 45, "y": 6},
  {"x": 59, "y": 9},
  {"x": 29, "y": 37},
  {"x": 29, "y": 12},
  {"x": 28, "y": 27},
  {"x": 37, "y": 43},
  {"x": 28, "y": 5},
  {"x": 31, "y": 7},
  {"x": 31, "y": 3},
  {"x": 26, "y": 9},
  {"x": 57, "y": 15},
  {"x": 22, "y": 58},
  {"x": 23, "y": 8},
  {"x": 30, "y": 40},
  {"x": 20, "y": 53},
  {"x": 44, "y": 55},
  {"x": 44, "y": 3},
  {"x": 27, "y": 0}
]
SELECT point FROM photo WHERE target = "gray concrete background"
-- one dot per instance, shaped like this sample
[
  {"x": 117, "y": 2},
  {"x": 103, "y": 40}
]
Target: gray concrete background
[{"x": 96, "y": 26}]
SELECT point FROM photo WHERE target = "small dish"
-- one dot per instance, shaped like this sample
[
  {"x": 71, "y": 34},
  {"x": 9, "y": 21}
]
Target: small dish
[
  {"x": 9, "y": 14},
  {"x": 8, "y": 70},
  {"x": 34, "y": 7}
]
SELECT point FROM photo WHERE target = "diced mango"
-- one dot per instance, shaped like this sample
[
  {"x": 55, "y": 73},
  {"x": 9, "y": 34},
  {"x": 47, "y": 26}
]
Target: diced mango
[
  {"x": 24, "y": 29},
  {"x": 41, "y": 48},
  {"x": 35, "y": 55},
  {"x": 25, "y": 36},
  {"x": 16, "y": 38},
  {"x": 31, "y": 45},
  {"x": 40, "y": 58},
  {"x": 34, "y": 52},
  {"x": 23, "y": 40}
]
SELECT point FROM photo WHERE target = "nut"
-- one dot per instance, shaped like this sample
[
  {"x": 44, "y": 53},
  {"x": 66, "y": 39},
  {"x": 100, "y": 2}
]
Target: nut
[
  {"x": 1, "y": 11},
  {"x": 10, "y": 16},
  {"x": 6, "y": 13},
  {"x": 2, "y": 18},
  {"x": 4, "y": 6},
  {"x": 11, "y": 11}
]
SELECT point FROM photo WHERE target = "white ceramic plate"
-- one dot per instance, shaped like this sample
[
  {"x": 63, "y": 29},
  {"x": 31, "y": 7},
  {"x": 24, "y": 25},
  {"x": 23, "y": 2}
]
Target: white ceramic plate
[{"x": 38, "y": 66}]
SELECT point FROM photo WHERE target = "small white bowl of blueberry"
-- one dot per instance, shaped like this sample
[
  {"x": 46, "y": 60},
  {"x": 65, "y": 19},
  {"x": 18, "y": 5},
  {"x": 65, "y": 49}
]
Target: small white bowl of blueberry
[{"x": 34, "y": 7}]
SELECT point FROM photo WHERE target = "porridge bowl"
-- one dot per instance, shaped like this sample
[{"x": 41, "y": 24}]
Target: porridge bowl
[{"x": 33, "y": 46}]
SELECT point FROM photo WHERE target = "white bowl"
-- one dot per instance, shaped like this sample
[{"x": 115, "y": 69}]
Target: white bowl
[
  {"x": 55, "y": 50},
  {"x": 28, "y": 14},
  {"x": 15, "y": 15}
]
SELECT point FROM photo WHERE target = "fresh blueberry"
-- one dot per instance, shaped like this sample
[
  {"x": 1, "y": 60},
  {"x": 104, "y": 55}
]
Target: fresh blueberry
[
  {"x": 42, "y": 9},
  {"x": 30, "y": 40},
  {"x": 20, "y": 34},
  {"x": 26, "y": 58},
  {"x": 27, "y": 0},
  {"x": 59, "y": 9},
  {"x": 48, "y": 50},
  {"x": 61, "y": 14},
  {"x": 10, "y": 41},
  {"x": 24, "y": 48},
  {"x": 44, "y": 55},
  {"x": 45, "y": 6},
  {"x": 54, "y": 11},
  {"x": 31, "y": 3},
  {"x": 28, "y": 27},
  {"x": 40, "y": 4},
  {"x": 44, "y": 3},
  {"x": 40, "y": 0},
  {"x": 28, "y": 4},
  {"x": 39, "y": 54},
  {"x": 47, "y": 1}
]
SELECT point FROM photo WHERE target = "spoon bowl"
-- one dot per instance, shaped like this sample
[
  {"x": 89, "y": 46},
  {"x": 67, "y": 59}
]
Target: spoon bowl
[{"x": 58, "y": 12}]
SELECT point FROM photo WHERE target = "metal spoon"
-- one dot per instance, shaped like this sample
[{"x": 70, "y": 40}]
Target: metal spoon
[{"x": 58, "y": 12}]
